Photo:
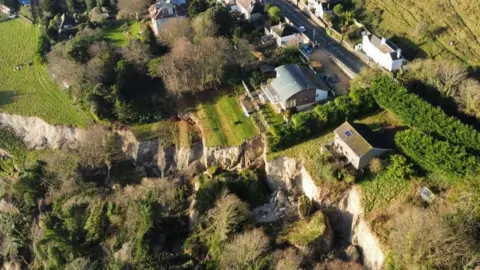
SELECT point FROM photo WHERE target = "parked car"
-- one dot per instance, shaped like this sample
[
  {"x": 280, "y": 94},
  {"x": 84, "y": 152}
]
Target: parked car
[
  {"x": 12, "y": 16},
  {"x": 306, "y": 48},
  {"x": 302, "y": 29}
]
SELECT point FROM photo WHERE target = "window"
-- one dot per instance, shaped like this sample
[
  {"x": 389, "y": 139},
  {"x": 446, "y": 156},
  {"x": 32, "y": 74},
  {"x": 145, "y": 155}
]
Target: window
[{"x": 348, "y": 133}]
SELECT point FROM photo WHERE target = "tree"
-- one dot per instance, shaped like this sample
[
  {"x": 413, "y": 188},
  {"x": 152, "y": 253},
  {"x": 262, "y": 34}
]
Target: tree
[
  {"x": 420, "y": 240},
  {"x": 222, "y": 18},
  {"x": 275, "y": 14},
  {"x": 469, "y": 97},
  {"x": 338, "y": 10},
  {"x": 71, "y": 6},
  {"x": 174, "y": 29},
  {"x": 196, "y": 7},
  {"x": 90, "y": 4},
  {"x": 203, "y": 26},
  {"x": 92, "y": 149},
  {"x": 132, "y": 8},
  {"x": 245, "y": 251}
]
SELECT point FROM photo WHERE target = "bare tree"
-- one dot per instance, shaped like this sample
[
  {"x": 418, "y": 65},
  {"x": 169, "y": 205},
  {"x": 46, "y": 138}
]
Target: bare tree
[
  {"x": 92, "y": 150},
  {"x": 136, "y": 52},
  {"x": 65, "y": 71},
  {"x": 176, "y": 28},
  {"x": 132, "y": 8},
  {"x": 245, "y": 250},
  {"x": 419, "y": 239},
  {"x": 194, "y": 67},
  {"x": 287, "y": 259},
  {"x": 469, "y": 97}
]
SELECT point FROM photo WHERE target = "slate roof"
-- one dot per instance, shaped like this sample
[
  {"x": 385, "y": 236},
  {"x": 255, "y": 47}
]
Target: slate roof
[
  {"x": 290, "y": 80},
  {"x": 388, "y": 47},
  {"x": 360, "y": 138},
  {"x": 252, "y": 6}
]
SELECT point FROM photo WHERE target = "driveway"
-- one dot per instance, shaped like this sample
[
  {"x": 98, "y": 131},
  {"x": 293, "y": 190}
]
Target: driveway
[
  {"x": 342, "y": 82},
  {"x": 318, "y": 34}
]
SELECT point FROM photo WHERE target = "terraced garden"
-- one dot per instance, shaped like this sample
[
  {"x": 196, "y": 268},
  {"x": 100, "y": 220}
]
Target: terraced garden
[
  {"x": 29, "y": 90},
  {"x": 223, "y": 121}
]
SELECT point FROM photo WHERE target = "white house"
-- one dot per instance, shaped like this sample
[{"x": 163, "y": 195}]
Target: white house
[
  {"x": 284, "y": 34},
  {"x": 321, "y": 7},
  {"x": 359, "y": 144},
  {"x": 383, "y": 52},
  {"x": 253, "y": 10},
  {"x": 164, "y": 10},
  {"x": 295, "y": 86}
]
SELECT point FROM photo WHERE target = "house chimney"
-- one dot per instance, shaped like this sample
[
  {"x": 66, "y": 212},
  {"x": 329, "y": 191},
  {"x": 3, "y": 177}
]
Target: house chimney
[
  {"x": 399, "y": 53},
  {"x": 384, "y": 41}
]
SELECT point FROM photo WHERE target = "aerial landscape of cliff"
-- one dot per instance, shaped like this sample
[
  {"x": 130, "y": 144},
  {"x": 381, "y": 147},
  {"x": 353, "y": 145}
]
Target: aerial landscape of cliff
[{"x": 220, "y": 134}]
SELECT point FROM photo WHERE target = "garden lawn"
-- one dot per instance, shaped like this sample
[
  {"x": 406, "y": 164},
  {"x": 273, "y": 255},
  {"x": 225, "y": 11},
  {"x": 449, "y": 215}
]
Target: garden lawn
[
  {"x": 170, "y": 132},
  {"x": 119, "y": 37},
  {"x": 270, "y": 115},
  {"x": 223, "y": 121},
  {"x": 30, "y": 92}
]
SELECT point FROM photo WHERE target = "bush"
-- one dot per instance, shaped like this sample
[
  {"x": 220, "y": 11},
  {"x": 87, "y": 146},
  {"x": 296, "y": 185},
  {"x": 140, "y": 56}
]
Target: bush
[
  {"x": 305, "y": 232},
  {"x": 245, "y": 251},
  {"x": 420, "y": 240},
  {"x": 43, "y": 46},
  {"x": 376, "y": 165},
  {"x": 304, "y": 206},
  {"x": 437, "y": 156},
  {"x": 418, "y": 113}
]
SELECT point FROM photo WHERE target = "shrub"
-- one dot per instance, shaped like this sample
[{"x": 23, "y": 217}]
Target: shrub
[
  {"x": 306, "y": 231},
  {"x": 418, "y": 113},
  {"x": 420, "y": 240},
  {"x": 245, "y": 251},
  {"x": 435, "y": 155},
  {"x": 376, "y": 165},
  {"x": 287, "y": 259},
  {"x": 304, "y": 206}
]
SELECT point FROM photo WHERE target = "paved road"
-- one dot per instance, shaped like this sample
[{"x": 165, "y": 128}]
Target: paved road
[{"x": 321, "y": 37}]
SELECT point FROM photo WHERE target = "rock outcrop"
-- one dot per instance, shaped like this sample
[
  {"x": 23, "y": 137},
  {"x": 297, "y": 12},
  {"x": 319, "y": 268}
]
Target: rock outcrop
[
  {"x": 346, "y": 213},
  {"x": 38, "y": 134},
  {"x": 249, "y": 153}
]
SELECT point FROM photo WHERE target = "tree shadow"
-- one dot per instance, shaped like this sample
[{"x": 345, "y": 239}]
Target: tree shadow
[
  {"x": 7, "y": 97},
  {"x": 447, "y": 104}
]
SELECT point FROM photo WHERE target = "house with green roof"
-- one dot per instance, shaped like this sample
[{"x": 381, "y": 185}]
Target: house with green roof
[
  {"x": 359, "y": 144},
  {"x": 295, "y": 87}
]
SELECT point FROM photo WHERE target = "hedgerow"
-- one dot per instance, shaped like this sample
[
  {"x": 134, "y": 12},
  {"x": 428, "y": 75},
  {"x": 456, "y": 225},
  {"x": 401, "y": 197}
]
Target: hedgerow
[
  {"x": 435, "y": 155},
  {"x": 305, "y": 125},
  {"x": 415, "y": 112}
]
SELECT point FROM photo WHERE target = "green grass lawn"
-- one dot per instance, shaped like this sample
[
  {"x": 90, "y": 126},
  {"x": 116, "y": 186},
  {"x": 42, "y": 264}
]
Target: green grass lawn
[
  {"x": 30, "y": 92},
  {"x": 119, "y": 37},
  {"x": 270, "y": 115},
  {"x": 223, "y": 121}
]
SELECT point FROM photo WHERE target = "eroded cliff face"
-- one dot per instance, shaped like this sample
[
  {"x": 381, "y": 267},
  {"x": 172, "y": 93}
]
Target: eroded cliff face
[
  {"x": 345, "y": 214},
  {"x": 193, "y": 159},
  {"x": 38, "y": 134}
]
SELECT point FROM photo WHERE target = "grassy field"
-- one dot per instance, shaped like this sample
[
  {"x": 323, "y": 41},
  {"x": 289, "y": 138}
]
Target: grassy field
[
  {"x": 431, "y": 26},
  {"x": 170, "y": 132},
  {"x": 223, "y": 121},
  {"x": 30, "y": 92},
  {"x": 119, "y": 37}
]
